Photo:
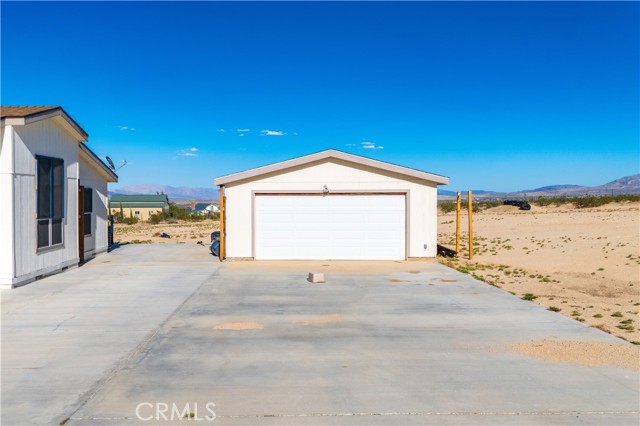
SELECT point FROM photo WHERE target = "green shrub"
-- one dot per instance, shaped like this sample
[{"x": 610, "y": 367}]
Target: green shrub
[
  {"x": 586, "y": 201},
  {"x": 117, "y": 217},
  {"x": 626, "y": 326},
  {"x": 130, "y": 220},
  {"x": 137, "y": 241},
  {"x": 156, "y": 218},
  {"x": 446, "y": 206},
  {"x": 483, "y": 205},
  {"x": 554, "y": 309},
  {"x": 529, "y": 296}
]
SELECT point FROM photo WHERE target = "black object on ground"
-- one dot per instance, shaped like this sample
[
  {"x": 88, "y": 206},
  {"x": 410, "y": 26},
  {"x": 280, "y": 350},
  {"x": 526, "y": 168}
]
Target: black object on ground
[
  {"x": 446, "y": 251},
  {"x": 215, "y": 243},
  {"x": 165, "y": 235},
  {"x": 523, "y": 205}
]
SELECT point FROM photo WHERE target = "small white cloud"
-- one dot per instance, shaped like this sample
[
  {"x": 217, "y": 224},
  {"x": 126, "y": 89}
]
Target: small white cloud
[
  {"x": 241, "y": 134},
  {"x": 350, "y": 145},
  {"x": 295, "y": 133},
  {"x": 370, "y": 145},
  {"x": 243, "y": 130},
  {"x": 272, "y": 133},
  {"x": 126, "y": 128},
  {"x": 189, "y": 152},
  {"x": 220, "y": 130}
]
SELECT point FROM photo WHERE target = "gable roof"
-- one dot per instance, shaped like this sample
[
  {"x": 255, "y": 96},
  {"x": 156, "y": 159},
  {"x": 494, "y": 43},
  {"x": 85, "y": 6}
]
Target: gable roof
[
  {"x": 106, "y": 171},
  {"x": 328, "y": 154},
  {"x": 131, "y": 205},
  {"x": 21, "y": 115},
  {"x": 140, "y": 198}
]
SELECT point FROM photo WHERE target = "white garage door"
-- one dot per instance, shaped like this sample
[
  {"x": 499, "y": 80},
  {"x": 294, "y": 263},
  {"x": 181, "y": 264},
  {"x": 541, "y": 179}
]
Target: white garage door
[{"x": 358, "y": 227}]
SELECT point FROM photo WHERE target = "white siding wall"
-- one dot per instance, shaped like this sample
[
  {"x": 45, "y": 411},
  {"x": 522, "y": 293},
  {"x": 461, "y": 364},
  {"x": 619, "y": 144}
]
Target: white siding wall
[
  {"x": 43, "y": 138},
  {"x": 337, "y": 175},
  {"x": 89, "y": 177},
  {"x": 6, "y": 206}
]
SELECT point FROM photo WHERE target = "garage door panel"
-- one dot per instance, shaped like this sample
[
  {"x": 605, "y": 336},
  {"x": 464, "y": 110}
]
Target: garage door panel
[{"x": 330, "y": 227}]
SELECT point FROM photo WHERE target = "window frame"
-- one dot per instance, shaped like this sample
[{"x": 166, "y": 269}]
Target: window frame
[
  {"x": 88, "y": 198},
  {"x": 50, "y": 215}
]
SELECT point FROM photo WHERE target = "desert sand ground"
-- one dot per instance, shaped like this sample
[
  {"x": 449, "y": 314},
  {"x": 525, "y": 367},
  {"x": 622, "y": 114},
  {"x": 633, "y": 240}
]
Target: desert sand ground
[
  {"x": 585, "y": 263},
  {"x": 181, "y": 232}
]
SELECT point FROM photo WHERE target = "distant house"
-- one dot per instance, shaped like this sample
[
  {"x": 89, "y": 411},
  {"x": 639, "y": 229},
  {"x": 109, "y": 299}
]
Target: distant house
[
  {"x": 206, "y": 209},
  {"x": 140, "y": 206},
  {"x": 53, "y": 194}
]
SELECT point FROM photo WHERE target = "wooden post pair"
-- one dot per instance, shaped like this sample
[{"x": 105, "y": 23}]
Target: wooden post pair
[{"x": 470, "y": 206}]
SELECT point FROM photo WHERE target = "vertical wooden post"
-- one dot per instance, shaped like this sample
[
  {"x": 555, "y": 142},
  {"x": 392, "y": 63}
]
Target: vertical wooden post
[
  {"x": 223, "y": 225},
  {"x": 458, "y": 224},
  {"x": 470, "y": 226}
]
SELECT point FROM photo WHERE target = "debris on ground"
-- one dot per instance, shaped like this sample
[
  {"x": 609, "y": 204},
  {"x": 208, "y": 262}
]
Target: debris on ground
[{"x": 523, "y": 205}]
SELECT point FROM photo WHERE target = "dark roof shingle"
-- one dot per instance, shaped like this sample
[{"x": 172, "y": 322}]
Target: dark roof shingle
[{"x": 23, "y": 111}]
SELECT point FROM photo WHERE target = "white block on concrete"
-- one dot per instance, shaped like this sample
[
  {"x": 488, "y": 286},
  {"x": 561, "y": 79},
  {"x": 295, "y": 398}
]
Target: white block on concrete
[{"x": 316, "y": 277}]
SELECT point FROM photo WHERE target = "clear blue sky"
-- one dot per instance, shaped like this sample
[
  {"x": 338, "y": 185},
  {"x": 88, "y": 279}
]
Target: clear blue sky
[{"x": 501, "y": 95}]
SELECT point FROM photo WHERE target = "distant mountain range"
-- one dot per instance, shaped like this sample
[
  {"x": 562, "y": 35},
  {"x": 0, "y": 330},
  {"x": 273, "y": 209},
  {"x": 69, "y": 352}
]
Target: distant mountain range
[
  {"x": 173, "y": 192},
  {"x": 624, "y": 185}
]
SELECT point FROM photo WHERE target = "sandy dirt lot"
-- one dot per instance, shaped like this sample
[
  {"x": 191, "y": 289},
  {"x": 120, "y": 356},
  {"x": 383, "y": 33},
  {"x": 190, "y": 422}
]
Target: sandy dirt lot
[
  {"x": 583, "y": 263},
  {"x": 181, "y": 232}
]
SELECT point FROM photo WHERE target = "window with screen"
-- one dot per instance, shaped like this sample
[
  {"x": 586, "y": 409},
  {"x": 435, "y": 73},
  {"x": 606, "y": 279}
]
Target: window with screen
[
  {"x": 88, "y": 210},
  {"x": 50, "y": 201}
]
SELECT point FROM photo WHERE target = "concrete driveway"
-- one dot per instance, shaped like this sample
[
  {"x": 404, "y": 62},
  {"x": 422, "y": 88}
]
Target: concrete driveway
[
  {"x": 378, "y": 343},
  {"x": 65, "y": 335}
]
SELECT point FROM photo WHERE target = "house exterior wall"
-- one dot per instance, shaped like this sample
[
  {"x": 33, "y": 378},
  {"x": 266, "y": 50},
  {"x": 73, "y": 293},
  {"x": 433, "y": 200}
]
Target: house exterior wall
[
  {"x": 7, "y": 264},
  {"x": 48, "y": 139},
  {"x": 97, "y": 242},
  {"x": 143, "y": 213},
  {"x": 337, "y": 175}
]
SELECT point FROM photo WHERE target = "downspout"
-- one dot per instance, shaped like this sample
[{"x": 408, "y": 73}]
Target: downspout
[{"x": 222, "y": 252}]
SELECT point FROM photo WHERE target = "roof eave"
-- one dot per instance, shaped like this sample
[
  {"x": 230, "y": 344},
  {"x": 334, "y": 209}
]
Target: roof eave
[
  {"x": 331, "y": 153},
  {"x": 70, "y": 123},
  {"x": 103, "y": 168}
]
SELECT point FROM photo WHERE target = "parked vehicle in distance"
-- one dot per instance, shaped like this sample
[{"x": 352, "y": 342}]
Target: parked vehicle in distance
[{"x": 523, "y": 205}]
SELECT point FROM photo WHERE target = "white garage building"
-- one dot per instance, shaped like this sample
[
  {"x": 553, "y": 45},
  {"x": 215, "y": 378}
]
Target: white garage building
[{"x": 328, "y": 206}]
